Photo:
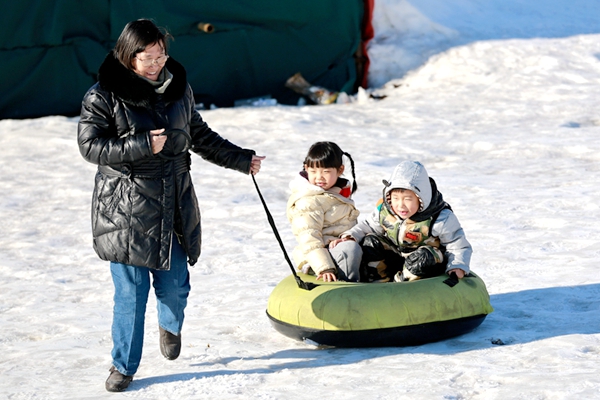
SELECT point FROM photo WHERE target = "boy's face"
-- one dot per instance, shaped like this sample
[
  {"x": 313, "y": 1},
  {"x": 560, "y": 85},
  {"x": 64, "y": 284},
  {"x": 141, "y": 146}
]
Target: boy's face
[
  {"x": 323, "y": 177},
  {"x": 405, "y": 203}
]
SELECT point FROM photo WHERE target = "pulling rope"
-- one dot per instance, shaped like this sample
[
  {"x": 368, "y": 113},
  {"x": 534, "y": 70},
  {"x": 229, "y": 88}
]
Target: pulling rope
[
  {"x": 300, "y": 282},
  {"x": 187, "y": 146}
]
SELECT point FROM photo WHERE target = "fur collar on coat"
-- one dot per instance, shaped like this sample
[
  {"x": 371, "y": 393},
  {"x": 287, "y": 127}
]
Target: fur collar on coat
[{"x": 132, "y": 89}]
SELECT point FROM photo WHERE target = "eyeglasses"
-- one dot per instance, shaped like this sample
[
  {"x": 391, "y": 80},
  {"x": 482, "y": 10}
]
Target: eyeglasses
[{"x": 148, "y": 62}]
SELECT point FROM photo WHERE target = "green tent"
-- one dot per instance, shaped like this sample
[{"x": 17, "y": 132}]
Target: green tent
[{"x": 51, "y": 49}]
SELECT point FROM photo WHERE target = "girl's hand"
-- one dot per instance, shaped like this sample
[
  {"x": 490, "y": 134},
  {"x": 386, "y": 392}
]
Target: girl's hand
[
  {"x": 459, "y": 272},
  {"x": 335, "y": 242},
  {"x": 327, "y": 276},
  {"x": 157, "y": 141},
  {"x": 255, "y": 164}
]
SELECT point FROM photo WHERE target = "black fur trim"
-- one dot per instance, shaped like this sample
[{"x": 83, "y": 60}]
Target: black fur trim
[{"x": 134, "y": 90}]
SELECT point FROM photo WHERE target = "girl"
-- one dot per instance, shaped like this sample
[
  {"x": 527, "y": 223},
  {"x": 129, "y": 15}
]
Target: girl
[{"x": 320, "y": 209}]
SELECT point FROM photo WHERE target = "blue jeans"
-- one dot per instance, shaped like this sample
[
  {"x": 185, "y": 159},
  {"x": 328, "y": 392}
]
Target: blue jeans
[{"x": 132, "y": 285}]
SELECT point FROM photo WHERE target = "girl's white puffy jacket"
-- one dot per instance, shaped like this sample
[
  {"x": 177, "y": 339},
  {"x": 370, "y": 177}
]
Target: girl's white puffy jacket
[{"x": 317, "y": 217}]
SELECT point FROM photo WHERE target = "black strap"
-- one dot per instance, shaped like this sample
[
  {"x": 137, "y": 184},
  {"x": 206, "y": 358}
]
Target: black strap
[
  {"x": 300, "y": 282},
  {"x": 452, "y": 280}
]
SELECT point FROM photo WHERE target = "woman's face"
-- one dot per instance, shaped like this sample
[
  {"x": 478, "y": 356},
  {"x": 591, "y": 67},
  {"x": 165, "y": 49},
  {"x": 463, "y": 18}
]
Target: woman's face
[{"x": 150, "y": 62}]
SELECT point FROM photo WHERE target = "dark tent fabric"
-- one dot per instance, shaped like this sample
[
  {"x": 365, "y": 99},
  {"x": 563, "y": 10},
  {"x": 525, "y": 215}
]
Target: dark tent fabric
[
  {"x": 50, "y": 51},
  {"x": 368, "y": 33}
]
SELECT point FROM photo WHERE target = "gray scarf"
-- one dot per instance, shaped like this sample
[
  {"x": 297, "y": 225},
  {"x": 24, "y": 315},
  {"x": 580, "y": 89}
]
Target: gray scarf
[{"x": 163, "y": 81}]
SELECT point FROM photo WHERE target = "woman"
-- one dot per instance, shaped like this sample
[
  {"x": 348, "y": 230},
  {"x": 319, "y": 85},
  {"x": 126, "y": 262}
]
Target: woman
[{"x": 137, "y": 124}]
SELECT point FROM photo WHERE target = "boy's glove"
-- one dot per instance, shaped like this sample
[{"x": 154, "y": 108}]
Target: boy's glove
[{"x": 421, "y": 261}]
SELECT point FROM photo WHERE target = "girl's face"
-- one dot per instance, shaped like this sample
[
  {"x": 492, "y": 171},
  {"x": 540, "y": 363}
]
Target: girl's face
[
  {"x": 323, "y": 177},
  {"x": 405, "y": 203},
  {"x": 150, "y": 62}
]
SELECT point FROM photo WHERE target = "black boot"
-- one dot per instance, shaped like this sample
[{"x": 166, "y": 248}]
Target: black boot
[
  {"x": 379, "y": 262},
  {"x": 170, "y": 345},
  {"x": 117, "y": 382}
]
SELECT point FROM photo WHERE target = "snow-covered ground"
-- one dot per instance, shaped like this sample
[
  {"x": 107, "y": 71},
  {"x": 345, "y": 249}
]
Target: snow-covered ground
[
  {"x": 408, "y": 32},
  {"x": 500, "y": 101}
]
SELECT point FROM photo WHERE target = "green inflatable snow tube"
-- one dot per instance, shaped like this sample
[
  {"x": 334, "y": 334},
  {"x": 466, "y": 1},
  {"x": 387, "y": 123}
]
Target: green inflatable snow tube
[{"x": 344, "y": 314}]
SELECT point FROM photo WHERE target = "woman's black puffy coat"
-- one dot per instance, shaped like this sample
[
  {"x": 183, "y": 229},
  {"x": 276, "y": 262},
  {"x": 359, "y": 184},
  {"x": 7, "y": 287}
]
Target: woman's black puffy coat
[{"x": 140, "y": 199}]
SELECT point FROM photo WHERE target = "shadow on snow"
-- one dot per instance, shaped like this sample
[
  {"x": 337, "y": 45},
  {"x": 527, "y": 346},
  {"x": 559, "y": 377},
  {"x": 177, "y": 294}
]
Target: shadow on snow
[{"x": 519, "y": 318}]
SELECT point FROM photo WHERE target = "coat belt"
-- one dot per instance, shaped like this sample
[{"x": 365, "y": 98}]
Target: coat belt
[{"x": 155, "y": 168}]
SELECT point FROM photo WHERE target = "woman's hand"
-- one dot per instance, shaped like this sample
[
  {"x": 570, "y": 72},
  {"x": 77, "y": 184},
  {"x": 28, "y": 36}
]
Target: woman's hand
[
  {"x": 157, "y": 141},
  {"x": 327, "y": 276},
  {"x": 255, "y": 164},
  {"x": 459, "y": 272}
]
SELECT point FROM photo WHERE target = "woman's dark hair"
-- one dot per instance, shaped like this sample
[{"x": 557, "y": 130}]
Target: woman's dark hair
[
  {"x": 329, "y": 155},
  {"x": 136, "y": 36}
]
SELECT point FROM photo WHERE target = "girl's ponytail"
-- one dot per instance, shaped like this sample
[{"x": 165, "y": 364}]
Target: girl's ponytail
[{"x": 354, "y": 184}]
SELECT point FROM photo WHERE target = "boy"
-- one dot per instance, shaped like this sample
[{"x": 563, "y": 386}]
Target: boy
[{"x": 412, "y": 233}]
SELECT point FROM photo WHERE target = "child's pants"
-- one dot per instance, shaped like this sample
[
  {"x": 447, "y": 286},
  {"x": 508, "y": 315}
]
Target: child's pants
[{"x": 347, "y": 256}]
